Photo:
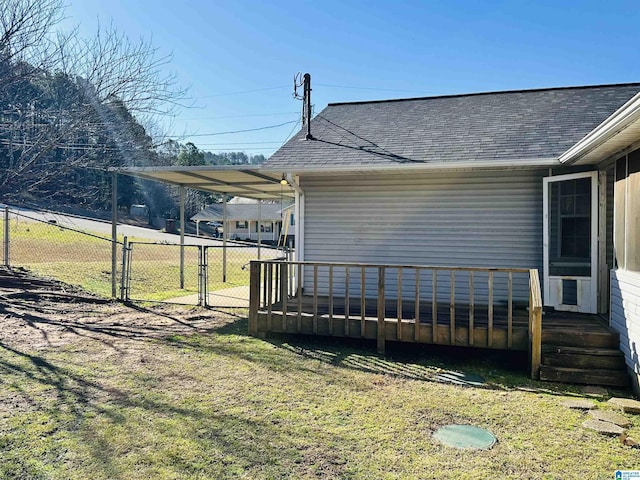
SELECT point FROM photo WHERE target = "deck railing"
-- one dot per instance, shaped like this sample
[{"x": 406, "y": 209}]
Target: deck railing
[
  {"x": 535, "y": 323},
  {"x": 471, "y": 306}
]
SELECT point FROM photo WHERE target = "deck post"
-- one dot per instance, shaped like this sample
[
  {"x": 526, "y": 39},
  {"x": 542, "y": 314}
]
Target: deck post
[
  {"x": 299, "y": 290},
  {"x": 381, "y": 311},
  {"x": 346, "y": 302},
  {"x": 490, "y": 312},
  {"x": 452, "y": 309},
  {"x": 330, "y": 299},
  {"x": 283, "y": 293},
  {"x": 315, "y": 299},
  {"x": 269, "y": 274},
  {"x": 399, "y": 306},
  {"x": 416, "y": 324},
  {"x": 535, "y": 323},
  {"x": 471, "y": 308},
  {"x": 254, "y": 296},
  {"x": 434, "y": 306},
  {"x": 363, "y": 303}
]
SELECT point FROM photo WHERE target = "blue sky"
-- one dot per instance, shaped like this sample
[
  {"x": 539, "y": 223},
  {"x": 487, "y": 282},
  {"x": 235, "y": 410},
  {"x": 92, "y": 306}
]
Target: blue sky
[{"x": 364, "y": 50}]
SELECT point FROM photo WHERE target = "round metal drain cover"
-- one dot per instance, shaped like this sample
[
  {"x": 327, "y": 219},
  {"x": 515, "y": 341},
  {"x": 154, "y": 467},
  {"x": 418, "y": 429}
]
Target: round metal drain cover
[{"x": 465, "y": 436}]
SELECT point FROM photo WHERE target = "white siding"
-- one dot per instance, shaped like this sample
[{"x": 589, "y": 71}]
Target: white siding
[
  {"x": 625, "y": 315},
  {"x": 483, "y": 219}
]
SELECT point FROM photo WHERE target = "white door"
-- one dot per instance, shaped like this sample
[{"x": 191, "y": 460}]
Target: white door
[{"x": 570, "y": 207}]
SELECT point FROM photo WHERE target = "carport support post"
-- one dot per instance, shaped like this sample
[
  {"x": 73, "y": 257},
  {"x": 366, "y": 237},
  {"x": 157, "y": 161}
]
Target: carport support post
[
  {"x": 114, "y": 233},
  {"x": 181, "y": 236},
  {"x": 259, "y": 226},
  {"x": 225, "y": 231}
]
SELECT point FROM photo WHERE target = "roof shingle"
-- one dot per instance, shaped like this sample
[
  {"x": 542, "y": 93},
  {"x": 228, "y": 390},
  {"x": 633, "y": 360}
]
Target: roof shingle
[{"x": 484, "y": 127}]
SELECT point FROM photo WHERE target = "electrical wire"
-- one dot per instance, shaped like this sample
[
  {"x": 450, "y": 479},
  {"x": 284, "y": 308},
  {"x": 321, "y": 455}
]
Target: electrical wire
[
  {"x": 376, "y": 89},
  {"x": 244, "y": 91},
  {"x": 289, "y": 136},
  {"x": 240, "y": 143},
  {"x": 243, "y": 116},
  {"x": 242, "y": 131}
]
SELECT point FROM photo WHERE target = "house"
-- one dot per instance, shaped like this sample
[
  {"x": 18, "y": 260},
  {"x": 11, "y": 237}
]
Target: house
[
  {"x": 452, "y": 220},
  {"x": 469, "y": 196},
  {"x": 246, "y": 216}
]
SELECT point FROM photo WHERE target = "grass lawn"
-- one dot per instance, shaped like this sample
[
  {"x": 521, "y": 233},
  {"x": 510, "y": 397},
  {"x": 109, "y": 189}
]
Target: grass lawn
[
  {"x": 111, "y": 392},
  {"x": 84, "y": 260}
]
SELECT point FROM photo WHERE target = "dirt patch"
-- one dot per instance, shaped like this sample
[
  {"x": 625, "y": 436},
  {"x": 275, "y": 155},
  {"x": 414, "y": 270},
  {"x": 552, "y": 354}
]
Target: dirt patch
[{"x": 37, "y": 313}]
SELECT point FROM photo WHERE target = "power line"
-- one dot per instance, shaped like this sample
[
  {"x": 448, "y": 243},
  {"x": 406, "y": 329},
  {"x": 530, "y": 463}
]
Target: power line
[
  {"x": 242, "y": 143},
  {"x": 242, "y": 149},
  {"x": 243, "y": 116},
  {"x": 289, "y": 136},
  {"x": 241, "y": 131},
  {"x": 244, "y": 91},
  {"x": 377, "y": 89}
]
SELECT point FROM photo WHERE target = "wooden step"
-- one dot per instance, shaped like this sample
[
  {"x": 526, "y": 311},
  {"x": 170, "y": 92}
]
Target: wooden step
[
  {"x": 578, "y": 357},
  {"x": 610, "y": 378},
  {"x": 583, "y": 339}
]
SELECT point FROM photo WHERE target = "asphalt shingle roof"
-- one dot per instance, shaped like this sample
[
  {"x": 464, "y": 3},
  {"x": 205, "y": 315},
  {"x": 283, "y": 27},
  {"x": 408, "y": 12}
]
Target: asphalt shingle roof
[{"x": 501, "y": 127}]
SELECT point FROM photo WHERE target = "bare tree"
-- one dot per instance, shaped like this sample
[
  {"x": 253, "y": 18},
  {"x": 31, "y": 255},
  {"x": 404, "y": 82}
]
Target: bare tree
[{"x": 68, "y": 102}]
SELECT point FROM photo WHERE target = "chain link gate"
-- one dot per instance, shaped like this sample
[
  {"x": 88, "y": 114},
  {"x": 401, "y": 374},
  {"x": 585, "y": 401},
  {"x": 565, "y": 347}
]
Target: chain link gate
[{"x": 210, "y": 276}]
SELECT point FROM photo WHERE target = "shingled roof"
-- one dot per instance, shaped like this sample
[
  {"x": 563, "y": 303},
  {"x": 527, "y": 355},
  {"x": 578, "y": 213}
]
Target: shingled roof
[{"x": 503, "y": 127}]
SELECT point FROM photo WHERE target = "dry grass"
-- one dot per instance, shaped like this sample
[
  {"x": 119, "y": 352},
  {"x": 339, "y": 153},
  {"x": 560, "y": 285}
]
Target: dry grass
[
  {"x": 85, "y": 260},
  {"x": 103, "y": 391}
]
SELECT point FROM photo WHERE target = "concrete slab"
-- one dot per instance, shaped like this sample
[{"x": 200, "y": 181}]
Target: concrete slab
[{"x": 628, "y": 405}]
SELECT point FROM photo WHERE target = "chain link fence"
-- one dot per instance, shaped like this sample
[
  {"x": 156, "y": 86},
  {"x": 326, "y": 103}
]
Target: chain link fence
[
  {"x": 48, "y": 248},
  {"x": 211, "y": 274}
]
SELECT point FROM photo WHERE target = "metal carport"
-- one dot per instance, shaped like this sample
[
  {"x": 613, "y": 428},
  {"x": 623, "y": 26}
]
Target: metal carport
[{"x": 237, "y": 180}]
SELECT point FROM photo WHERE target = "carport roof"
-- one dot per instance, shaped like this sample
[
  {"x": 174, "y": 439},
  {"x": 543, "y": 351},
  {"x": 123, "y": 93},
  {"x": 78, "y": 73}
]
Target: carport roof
[{"x": 239, "y": 180}]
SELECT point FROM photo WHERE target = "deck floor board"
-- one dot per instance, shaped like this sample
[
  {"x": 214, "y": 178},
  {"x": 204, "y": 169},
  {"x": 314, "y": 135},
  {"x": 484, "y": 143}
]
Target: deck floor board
[{"x": 336, "y": 321}]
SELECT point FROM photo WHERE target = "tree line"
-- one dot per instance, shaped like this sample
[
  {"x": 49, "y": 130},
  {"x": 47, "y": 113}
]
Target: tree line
[{"x": 71, "y": 108}]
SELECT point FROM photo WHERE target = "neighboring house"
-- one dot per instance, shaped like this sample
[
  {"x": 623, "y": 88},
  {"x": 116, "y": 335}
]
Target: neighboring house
[
  {"x": 545, "y": 179},
  {"x": 246, "y": 216}
]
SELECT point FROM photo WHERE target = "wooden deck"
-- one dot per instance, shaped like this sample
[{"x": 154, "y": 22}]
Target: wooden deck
[
  {"x": 469, "y": 328},
  {"x": 480, "y": 318},
  {"x": 556, "y": 326}
]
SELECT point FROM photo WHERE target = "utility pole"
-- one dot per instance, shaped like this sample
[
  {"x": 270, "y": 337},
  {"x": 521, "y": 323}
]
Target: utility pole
[
  {"x": 307, "y": 104},
  {"x": 306, "y": 100}
]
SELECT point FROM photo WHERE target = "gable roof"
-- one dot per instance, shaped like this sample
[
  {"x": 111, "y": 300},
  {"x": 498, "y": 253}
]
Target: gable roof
[
  {"x": 502, "y": 128},
  {"x": 269, "y": 212}
]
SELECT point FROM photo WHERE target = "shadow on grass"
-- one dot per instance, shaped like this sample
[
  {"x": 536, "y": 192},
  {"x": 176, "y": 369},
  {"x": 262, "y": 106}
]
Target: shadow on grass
[
  {"x": 70, "y": 401},
  {"x": 500, "y": 369}
]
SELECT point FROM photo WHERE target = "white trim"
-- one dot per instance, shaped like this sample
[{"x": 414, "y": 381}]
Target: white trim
[
  {"x": 603, "y": 268},
  {"x": 614, "y": 124},
  {"x": 515, "y": 164},
  {"x": 593, "y": 300},
  {"x": 299, "y": 227}
]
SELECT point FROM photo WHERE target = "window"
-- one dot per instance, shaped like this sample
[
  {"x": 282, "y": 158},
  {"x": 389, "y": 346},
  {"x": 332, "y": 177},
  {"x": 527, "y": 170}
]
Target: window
[
  {"x": 627, "y": 212},
  {"x": 575, "y": 218},
  {"x": 242, "y": 225}
]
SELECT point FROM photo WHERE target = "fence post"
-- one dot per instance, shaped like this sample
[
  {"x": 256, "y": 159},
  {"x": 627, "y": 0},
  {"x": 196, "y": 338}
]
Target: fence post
[
  {"x": 254, "y": 296},
  {"x": 200, "y": 275},
  {"x": 6, "y": 236},
  {"x": 114, "y": 232},
  {"x": 123, "y": 275},
  {"x": 205, "y": 276},
  {"x": 181, "y": 236}
]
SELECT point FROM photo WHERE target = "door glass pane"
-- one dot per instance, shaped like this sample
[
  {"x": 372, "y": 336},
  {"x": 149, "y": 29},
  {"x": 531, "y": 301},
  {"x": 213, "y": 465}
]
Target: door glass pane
[{"x": 570, "y": 227}]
